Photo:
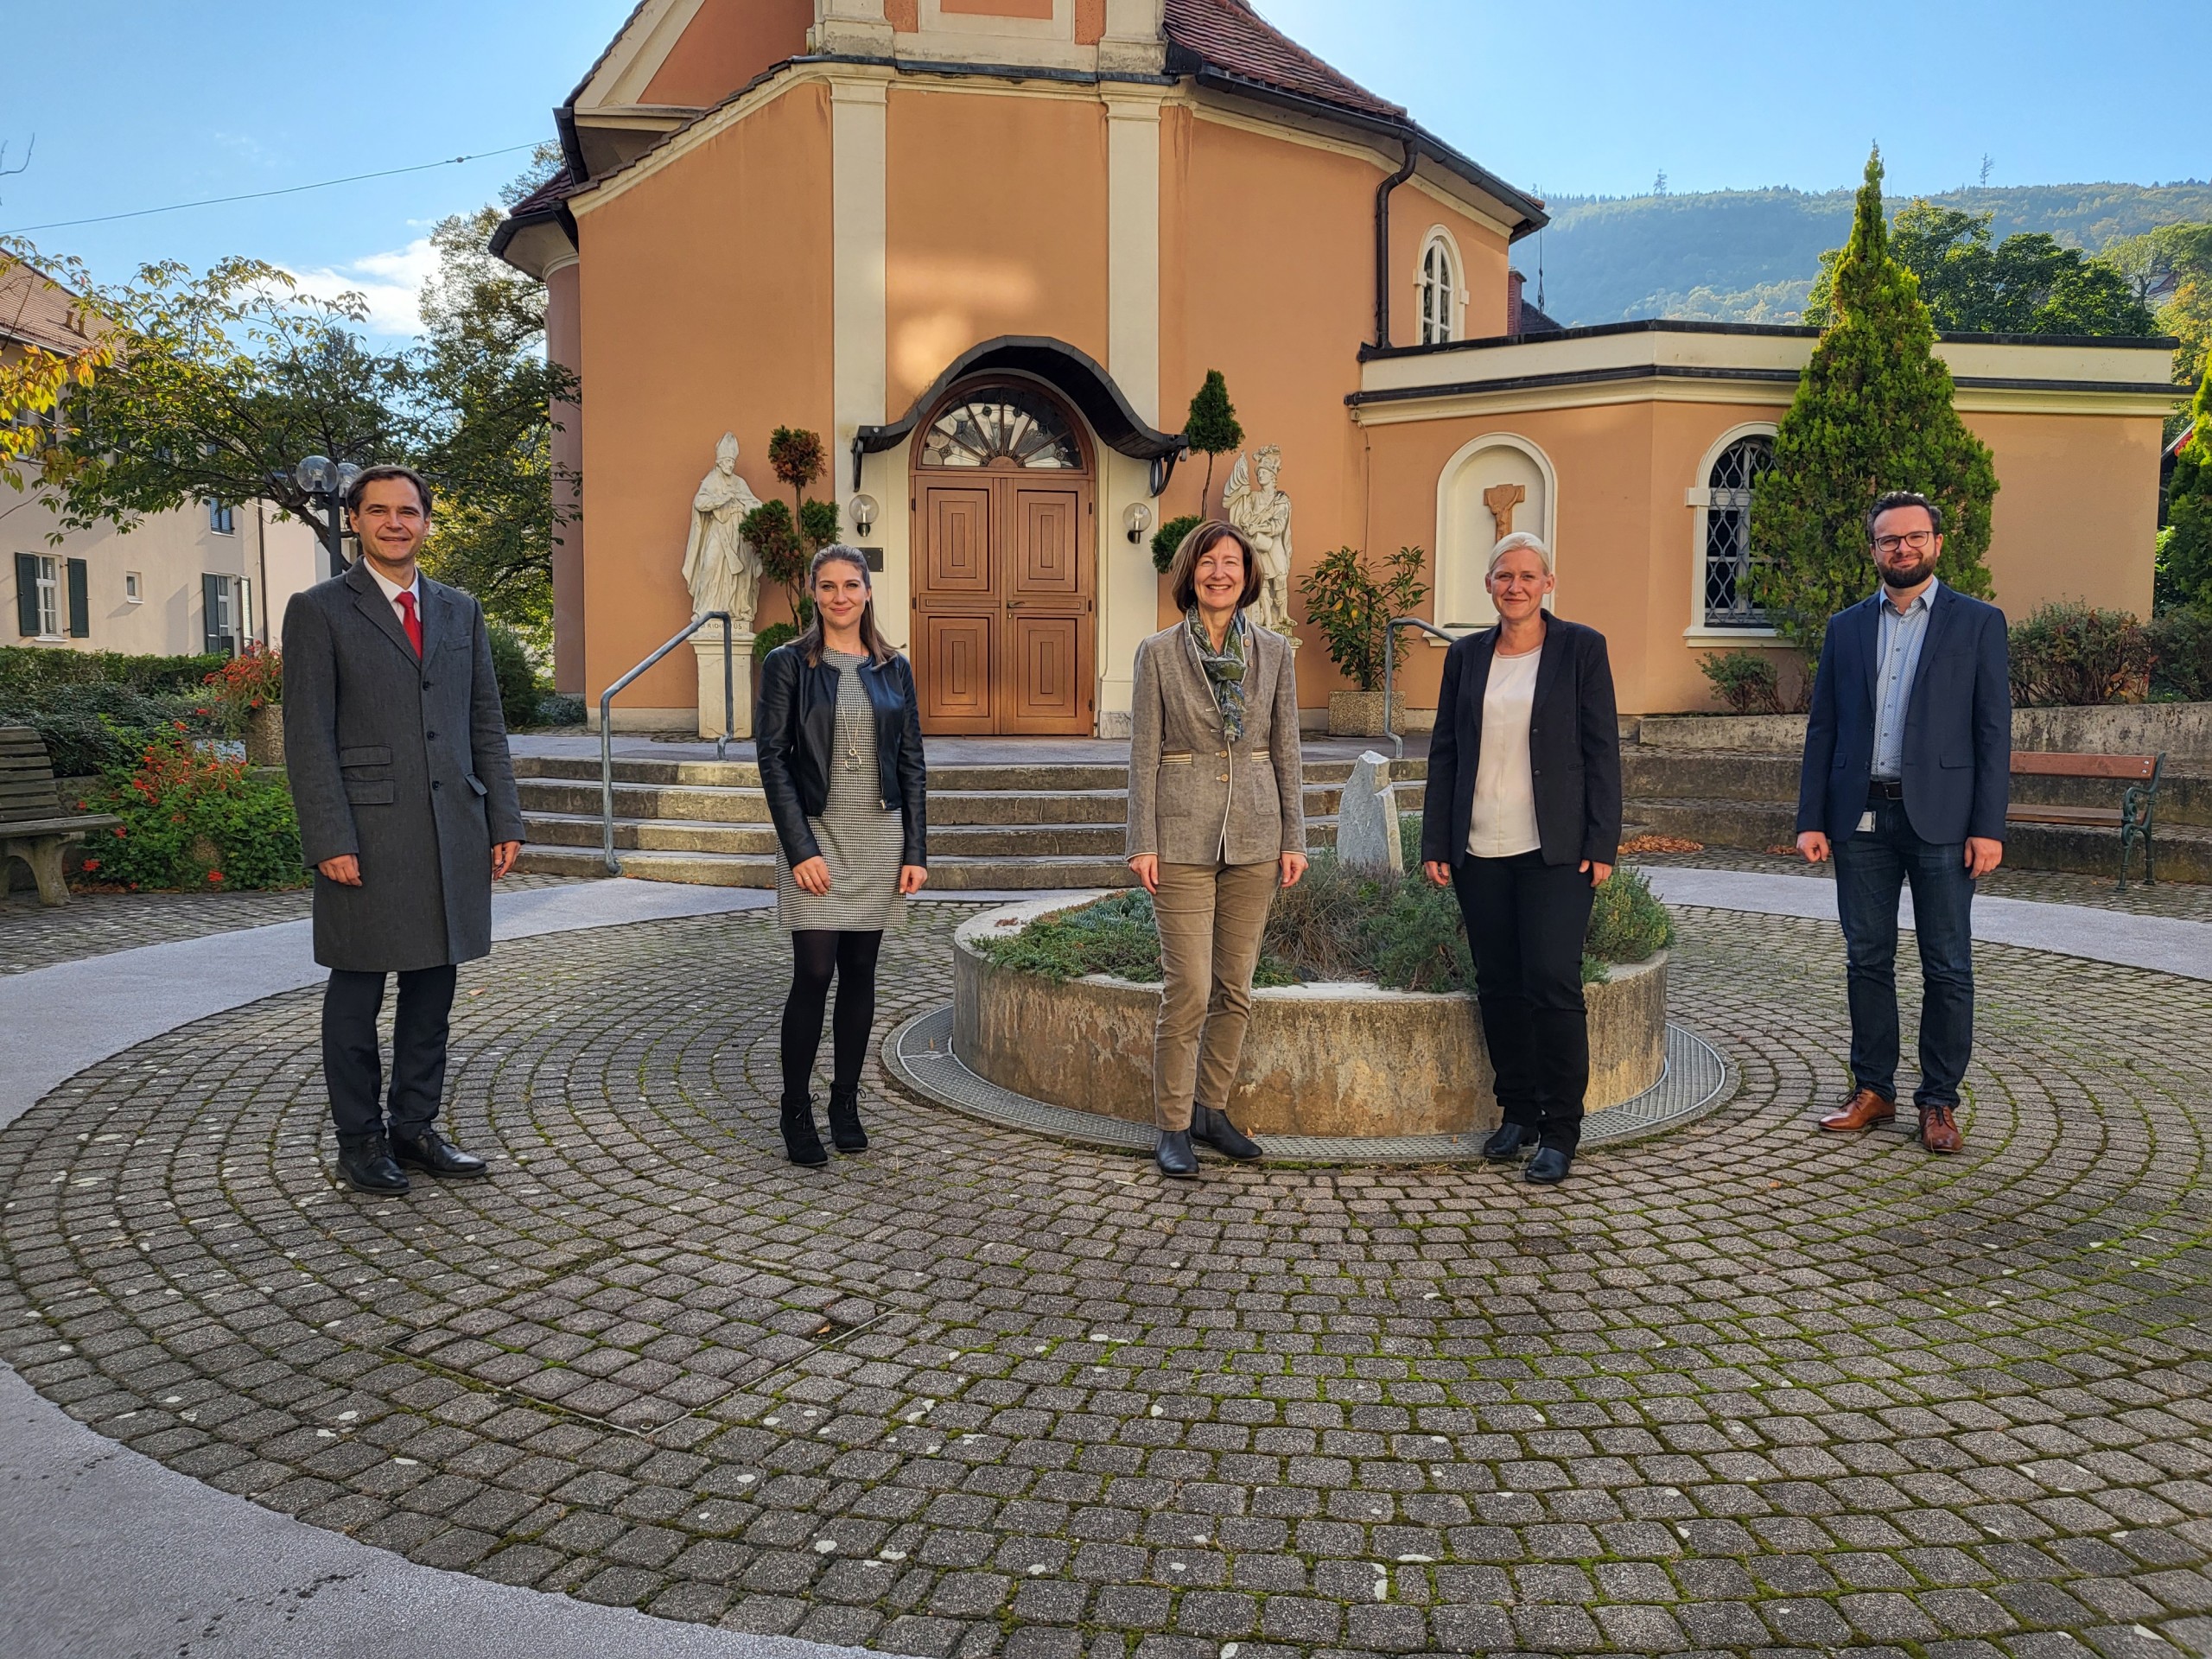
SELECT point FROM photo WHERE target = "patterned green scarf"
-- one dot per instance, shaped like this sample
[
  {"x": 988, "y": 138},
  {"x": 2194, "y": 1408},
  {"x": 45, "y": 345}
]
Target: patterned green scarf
[{"x": 1224, "y": 669}]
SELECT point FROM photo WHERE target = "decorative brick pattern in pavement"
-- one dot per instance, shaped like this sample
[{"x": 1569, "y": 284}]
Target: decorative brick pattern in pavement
[
  {"x": 96, "y": 924},
  {"x": 1745, "y": 1389}
]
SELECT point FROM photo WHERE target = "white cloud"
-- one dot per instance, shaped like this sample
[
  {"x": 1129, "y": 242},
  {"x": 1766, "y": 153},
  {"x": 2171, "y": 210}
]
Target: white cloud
[{"x": 391, "y": 283}]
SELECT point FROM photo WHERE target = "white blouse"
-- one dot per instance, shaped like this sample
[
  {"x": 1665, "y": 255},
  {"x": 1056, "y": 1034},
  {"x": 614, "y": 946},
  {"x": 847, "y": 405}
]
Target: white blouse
[{"x": 1504, "y": 820}]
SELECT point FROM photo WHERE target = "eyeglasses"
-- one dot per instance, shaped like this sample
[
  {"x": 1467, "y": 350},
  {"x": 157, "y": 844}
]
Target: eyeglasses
[{"x": 1919, "y": 541}]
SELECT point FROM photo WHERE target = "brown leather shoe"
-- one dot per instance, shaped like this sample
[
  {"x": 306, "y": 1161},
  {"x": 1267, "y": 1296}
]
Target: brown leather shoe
[
  {"x": 1939, "y": 1128},
  {"x": 1862, "y": 1111}
]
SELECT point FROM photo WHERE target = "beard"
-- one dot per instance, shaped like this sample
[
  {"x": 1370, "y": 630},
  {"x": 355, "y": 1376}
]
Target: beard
[{"x": 1900, "y": 575}]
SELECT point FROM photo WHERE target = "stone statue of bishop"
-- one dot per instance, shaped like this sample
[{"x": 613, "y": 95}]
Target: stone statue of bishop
[{"x": 720, "y": 567}]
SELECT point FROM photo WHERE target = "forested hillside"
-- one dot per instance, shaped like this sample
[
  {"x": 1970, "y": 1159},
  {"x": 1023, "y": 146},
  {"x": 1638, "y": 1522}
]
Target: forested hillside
[{"x": 1751, "y": 256}]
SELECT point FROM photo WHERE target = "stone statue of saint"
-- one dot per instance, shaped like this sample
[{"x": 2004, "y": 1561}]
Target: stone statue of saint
[
  {"x": 720, "y": 565},
  {"x": 1263, "y": 512}
]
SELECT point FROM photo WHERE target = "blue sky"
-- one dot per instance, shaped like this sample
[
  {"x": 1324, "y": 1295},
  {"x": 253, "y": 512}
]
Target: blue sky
[{"x": 136, "y": 104}]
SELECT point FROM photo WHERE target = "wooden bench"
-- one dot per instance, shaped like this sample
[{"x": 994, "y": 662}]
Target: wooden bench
[
  {"x": 2132, "y": 817},
  {"x": 33, "y": 826}
]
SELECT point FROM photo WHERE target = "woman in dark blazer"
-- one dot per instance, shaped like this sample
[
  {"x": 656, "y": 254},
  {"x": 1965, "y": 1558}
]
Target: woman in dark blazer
[{"x": 1524, "y": 820}]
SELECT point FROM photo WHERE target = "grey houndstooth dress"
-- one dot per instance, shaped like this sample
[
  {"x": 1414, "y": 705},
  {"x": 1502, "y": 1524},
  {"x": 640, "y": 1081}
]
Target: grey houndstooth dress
[{"x": 860, "y": 841}]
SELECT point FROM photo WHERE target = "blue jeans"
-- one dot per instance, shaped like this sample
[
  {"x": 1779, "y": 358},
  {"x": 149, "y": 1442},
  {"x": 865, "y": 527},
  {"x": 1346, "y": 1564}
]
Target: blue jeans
[{"x": 1871, "y": 866}]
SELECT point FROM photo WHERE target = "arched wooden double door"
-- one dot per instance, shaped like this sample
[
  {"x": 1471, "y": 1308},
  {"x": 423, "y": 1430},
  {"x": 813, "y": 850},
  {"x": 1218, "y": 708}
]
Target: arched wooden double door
[{"x": 1006, "y": 566}]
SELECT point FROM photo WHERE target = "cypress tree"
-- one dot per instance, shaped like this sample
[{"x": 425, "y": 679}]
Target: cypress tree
[
  {"x": 2185, "y": 551},
  {"x": 1872, "y": 412},
  {"x": 1211, "y": 427}
]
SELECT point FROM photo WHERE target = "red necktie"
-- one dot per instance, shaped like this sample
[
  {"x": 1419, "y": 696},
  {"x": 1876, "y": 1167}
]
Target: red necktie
[{"x": 409, "y": 621}]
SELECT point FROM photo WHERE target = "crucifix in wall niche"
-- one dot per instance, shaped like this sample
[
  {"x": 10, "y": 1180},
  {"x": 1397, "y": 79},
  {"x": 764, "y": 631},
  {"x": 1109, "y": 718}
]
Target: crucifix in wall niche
[{"x": 1501, "y": 499}]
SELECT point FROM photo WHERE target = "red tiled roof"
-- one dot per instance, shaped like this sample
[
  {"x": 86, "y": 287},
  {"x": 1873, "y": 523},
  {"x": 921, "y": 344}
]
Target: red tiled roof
[
  {"x": 36, "y": 311},
  {"x": 1230, "y": 36},
  {"x": 555, "y": 191}
]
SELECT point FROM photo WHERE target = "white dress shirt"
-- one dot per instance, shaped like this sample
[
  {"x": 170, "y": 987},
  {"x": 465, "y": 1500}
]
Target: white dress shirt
[
  {"x": 1503, "y": 823},
  {"x": 392, "y": 590}
]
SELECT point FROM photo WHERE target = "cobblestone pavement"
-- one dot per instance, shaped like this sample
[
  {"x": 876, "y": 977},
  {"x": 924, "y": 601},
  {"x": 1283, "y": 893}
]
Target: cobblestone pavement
[
  {"x": 96, "y": 924},
  {"x": 1745, "y": 1389},
  {"x": 2187, "y": 901}
]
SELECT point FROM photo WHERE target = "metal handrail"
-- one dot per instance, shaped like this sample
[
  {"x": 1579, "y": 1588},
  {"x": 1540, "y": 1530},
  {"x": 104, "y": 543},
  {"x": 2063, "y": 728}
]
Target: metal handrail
[
  {"x": 1391, "y": 670},
  {"x": 606, "y": 721}
]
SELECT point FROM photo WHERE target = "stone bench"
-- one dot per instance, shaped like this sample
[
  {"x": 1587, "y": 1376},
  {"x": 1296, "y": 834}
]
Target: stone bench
[{"x": 33, "y": 826}]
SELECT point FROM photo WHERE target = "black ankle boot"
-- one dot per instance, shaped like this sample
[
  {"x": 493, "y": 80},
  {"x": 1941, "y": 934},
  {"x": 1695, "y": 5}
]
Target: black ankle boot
[
  {"x": 801, "y": 1145},
  {"x": 845, "y": 1130},
  {"x": 1224, "y": 1137}
]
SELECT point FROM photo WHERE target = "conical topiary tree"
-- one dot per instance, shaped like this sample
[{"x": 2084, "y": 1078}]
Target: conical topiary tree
[
  {"x": 1211, "y": 427},
  {"x": 1872, "y": 412}
]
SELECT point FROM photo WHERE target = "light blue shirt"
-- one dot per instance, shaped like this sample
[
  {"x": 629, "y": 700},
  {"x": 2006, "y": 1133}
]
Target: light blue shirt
[{"x": 1897, "y": 641}]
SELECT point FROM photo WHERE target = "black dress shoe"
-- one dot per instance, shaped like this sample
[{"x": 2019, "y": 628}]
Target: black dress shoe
[
  {"x": 845, "y": 1130},
  {"x": 1549, "y": 1166},
  {"x": 801, "y": 1144},
  {"x": 428, "y": 1151},
  {"x": 1509, "y": 1141},
  {"x": 1224, "y": 1137},
  {"x": 1173, "y": 1152},
  {"x": 367, "y": 1167}
]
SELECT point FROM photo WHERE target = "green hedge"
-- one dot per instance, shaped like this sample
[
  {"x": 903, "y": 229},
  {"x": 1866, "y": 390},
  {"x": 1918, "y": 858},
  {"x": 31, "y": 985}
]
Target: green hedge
[
  {"x": 195, "y": 823},
  {"x": 27, "y": 670}
]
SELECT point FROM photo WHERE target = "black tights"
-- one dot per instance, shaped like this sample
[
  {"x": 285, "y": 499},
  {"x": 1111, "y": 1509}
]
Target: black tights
[{"x": 817, "y": 954}]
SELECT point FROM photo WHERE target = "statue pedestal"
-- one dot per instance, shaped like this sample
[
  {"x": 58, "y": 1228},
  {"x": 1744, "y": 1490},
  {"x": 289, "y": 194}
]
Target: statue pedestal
[{"x": 707, "y": 644}]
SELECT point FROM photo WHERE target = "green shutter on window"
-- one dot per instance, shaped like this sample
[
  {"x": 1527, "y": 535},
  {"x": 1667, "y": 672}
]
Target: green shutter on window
[
  {"x": 211, "y": 611},
  {"x": 27, "y": 594},
  {"x": 80, "y": 604}
]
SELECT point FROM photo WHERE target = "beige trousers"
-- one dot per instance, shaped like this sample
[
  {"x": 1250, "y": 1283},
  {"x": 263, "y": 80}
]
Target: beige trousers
[{"x": 1211, "y": 919}]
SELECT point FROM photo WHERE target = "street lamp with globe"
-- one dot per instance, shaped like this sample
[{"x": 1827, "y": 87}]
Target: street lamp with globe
[{"x": 328, "y": 480}]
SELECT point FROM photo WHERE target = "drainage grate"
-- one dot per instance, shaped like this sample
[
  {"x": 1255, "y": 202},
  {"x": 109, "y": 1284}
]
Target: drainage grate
[{"x": 919, "y": 1053}]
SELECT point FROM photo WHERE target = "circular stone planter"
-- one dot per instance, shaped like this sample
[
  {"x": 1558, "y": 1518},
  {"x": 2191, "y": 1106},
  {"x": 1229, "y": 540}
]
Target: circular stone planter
[{"x": 1349, "y": 1061}]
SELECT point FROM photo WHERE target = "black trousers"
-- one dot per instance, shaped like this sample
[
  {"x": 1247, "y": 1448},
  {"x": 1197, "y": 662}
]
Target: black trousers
[
  {"x": 1526, "y": 924},
  {"x": 352, "y": 1066},
  {"x": 817, "y": 956}
]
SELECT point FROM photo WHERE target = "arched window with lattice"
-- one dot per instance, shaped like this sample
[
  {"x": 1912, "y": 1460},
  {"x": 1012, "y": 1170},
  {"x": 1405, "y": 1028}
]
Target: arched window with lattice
[
  {"x": 1439, "y": 293},
  {"x": 1728, "y": 553}
]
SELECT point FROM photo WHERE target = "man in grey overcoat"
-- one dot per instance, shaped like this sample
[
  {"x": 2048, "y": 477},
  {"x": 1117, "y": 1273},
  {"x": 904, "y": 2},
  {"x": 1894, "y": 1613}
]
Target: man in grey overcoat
[{"x": 398, "y": 755}]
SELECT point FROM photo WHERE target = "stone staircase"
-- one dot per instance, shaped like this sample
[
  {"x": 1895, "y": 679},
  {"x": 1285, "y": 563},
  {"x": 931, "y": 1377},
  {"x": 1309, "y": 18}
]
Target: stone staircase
[
  {"x": 992, "y": 828},
  {"x": 1730, "y": 798}
]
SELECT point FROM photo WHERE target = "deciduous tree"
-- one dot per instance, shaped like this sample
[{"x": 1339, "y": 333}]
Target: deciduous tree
[{"x": 1872, "y": 412}]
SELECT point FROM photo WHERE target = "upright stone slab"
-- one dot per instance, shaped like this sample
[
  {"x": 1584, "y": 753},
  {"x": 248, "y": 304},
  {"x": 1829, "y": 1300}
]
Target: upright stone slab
[{"x": 1367, "y": 818}]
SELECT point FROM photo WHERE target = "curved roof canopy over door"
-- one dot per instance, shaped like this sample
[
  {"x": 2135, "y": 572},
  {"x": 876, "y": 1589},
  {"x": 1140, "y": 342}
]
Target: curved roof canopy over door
[{"x": 1074, "y": 374}]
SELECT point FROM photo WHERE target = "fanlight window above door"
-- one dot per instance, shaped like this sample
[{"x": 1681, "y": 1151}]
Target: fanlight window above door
[{"x": 1003, "y": 423}]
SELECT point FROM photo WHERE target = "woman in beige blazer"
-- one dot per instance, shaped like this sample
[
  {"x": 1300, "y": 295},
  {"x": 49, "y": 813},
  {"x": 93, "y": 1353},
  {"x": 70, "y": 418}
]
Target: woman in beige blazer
[{"x": 1217, "y": 824}]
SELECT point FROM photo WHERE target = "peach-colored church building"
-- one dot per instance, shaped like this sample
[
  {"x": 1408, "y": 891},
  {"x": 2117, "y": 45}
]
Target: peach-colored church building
[{"x": 989, "y": 250}]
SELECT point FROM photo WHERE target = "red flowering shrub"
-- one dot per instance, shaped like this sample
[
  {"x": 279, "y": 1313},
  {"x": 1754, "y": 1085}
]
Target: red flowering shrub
[
  {"x": 192, "y": 819},
  {"x": 244, "y": 683}
]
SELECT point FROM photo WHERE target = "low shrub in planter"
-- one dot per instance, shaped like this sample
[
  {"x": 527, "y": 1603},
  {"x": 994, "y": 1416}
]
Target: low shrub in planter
[
  {"x": 1337, "y": 924},
  {"x": 193, "y": 821},
  {"x": 2068, "y": 654},
  {"x": 1744, "y": 681},
  {"x": 557, "y": 708}
]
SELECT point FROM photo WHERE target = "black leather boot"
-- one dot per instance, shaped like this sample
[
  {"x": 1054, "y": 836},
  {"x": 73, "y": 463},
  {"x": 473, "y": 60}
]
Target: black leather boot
[
  {"x": 366, "y": 1165},
  {"x": 1173, "y": 1152},
  {"x": 845, "y": 1130},
  {"x": 1509, "y": 1141},
  {"x": 1224, "y": 1137},
  {"x": 801, "y": 1145},
  {"x": 428, "y": 1150}
]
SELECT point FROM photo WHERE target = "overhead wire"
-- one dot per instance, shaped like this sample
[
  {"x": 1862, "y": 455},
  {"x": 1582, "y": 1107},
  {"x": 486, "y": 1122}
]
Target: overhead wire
[{"x": 261, "y": 195}]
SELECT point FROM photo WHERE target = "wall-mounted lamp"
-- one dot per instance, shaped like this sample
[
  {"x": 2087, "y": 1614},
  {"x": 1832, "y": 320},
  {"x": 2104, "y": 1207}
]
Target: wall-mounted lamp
[
  {"x": 1136, "y": 518},
  {"x": 864, "y": 510}
]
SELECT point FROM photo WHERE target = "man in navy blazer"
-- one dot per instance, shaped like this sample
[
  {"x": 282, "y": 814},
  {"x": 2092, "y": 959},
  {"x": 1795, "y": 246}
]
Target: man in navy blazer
[{"x": 1908, "y": 765}]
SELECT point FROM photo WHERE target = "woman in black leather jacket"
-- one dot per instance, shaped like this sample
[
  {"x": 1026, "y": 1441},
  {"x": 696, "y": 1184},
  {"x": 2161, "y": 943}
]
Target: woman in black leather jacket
[{"x": 840, "y": 740}]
